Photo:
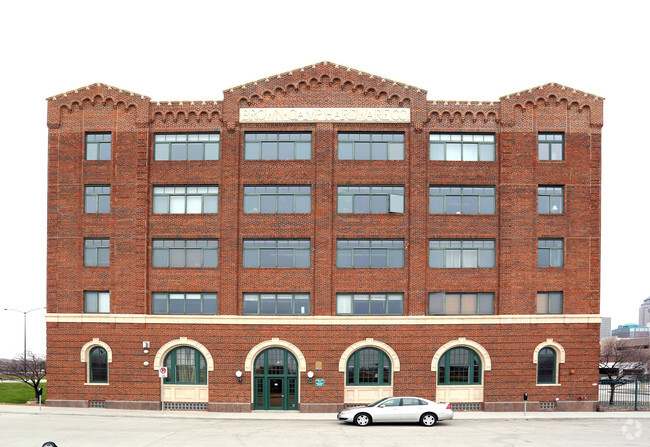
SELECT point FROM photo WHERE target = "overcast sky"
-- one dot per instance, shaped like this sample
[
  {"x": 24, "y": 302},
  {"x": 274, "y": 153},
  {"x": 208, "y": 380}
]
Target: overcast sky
[{"x": 469, "y": 50}]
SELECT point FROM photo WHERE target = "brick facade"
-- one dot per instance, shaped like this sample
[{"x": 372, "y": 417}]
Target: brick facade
[{"x": 510, "y": 336}]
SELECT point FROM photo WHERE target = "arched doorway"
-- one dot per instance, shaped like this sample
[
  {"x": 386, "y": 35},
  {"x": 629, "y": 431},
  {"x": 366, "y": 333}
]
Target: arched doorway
[{"x": 275, "y": 379}]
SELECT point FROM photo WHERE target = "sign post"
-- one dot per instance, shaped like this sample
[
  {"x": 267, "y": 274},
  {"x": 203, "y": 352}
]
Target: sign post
[{"x": 162, "y": 373}]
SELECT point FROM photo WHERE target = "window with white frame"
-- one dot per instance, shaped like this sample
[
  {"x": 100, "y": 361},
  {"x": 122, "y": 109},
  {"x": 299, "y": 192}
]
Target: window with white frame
[
  {"x": 550, "y": 253},
  {"x": 371, "y": 146},
  {"x": 441, "y": 303},
  {"x": 549, "y": 302},
  {"x": 276, "y": 303},
  {"x": 186, "y": 146},
  {"x": 186, "y": 199},
  {"x": 97, "y": 302},
  {"x": 369, "y": 253},
  {"x": 461, "y": 199},
  {"x": 190, "y": 253},
  {"x": 370, "y": 199},
  {"x": 184, "y": 303},
  {"x": 550, "y": 146},
  {"x": 98, "y": 146},
  {"x": 550, "y": 200},
  {"x": 461, "y": 253},
  {"x": 96, "y": 252},
  {"x": 369, "y": 303},
  {"x": 277, "y": 146},
  {"x": 277, "y": 253},
  {"x": 277, "y": 199},
  {"x": 97, "y": 199},
  {"x": 461, "y": 147}
]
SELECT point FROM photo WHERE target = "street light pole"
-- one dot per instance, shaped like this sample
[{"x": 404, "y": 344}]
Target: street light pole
[{"x": 25, "y": 333}]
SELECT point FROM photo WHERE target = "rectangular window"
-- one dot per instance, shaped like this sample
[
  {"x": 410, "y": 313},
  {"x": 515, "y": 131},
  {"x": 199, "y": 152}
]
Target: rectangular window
[
  {"x": 461, "y": 199},
  {"x": 550, "y": 200},
  {"x": 97, "y": 302},
  {"x": 184, "y": 303},
  {"x": 96, "y": 252},
  {"x": 461, "y": 253},
  {"x": 276, "y": 304},
  {"x": 97, "y": 199},
  {"x": 369, "y": 253},
  {"x": 550, "y": 253},
  {"x": 190, "y": 253},
  {"x": 461, "y": 147},
  {"x": 277, "y": 253},
  {"x": 550, "y": 146},
  {"x": 461, "y": 303},
  {"x": 186, "y": 146},
  {"x": 369, "y": 304},
  {"x": 185, "y": 199},
  {"x": 277, "y": 199},
  {"x": 98, "y": 146},
  {"x": 371, "y": 146},
  {"x": 277, "y": 146},
  {"x": 549, "y": 302},
  {"x": 370, "y": 199}
]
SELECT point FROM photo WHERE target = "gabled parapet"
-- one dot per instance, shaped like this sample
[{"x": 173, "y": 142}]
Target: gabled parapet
[
  {"x": 325, "y": 74},
  {"x": 550, "y": 105},
  {"x": 96, "y": 94}
]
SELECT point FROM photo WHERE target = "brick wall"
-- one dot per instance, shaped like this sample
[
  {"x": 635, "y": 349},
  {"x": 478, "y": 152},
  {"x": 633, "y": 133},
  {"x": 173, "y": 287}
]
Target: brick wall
[{"x": 134, "y": 119}]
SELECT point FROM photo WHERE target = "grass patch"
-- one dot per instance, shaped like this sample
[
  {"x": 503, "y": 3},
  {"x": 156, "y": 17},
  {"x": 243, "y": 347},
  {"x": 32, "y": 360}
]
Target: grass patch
[{"x": 18, "y": 393}]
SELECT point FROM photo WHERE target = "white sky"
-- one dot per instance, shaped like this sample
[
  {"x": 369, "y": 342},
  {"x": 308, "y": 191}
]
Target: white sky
[{"x": 469, "y": 50}]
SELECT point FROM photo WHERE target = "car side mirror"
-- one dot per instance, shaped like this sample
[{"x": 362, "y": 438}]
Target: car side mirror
[{"x": 382, "y": 406}]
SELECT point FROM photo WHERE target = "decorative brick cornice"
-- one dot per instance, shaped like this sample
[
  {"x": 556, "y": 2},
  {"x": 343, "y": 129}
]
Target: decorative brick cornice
[{"x": 326, "y": 74}]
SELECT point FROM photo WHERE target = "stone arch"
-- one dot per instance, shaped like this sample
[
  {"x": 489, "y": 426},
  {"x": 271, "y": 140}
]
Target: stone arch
[
  {"x": 369, "y": 343},
  {"x": 182, "y": 341},
  {"x": 85, "y": 350},
  {"x": 463, "y": 342},
  {"x": 561, "y": 356},
  {"x": 275, "y": 343}
]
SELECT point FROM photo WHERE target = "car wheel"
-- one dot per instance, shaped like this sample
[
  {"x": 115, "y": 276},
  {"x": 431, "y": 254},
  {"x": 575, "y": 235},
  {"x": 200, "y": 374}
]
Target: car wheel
[
  {"x": 428, "y": 419},
  {"x": 49, "y": 444},
  {"x": 362, "y": 419}
]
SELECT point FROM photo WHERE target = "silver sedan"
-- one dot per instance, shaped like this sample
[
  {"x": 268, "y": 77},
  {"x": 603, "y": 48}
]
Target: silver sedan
[{"x": 399, "y": 409}]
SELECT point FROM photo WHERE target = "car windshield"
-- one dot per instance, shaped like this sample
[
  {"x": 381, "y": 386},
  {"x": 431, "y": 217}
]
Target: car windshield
[{"x": 374, "y": 404}]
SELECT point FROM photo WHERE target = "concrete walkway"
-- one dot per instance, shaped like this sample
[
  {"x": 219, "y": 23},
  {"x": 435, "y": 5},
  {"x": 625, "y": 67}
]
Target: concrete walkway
[{"x": 295, "y": 415}]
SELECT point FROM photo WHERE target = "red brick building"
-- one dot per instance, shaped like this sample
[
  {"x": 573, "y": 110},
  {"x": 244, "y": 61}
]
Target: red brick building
[{"x": 330, "y": 237}]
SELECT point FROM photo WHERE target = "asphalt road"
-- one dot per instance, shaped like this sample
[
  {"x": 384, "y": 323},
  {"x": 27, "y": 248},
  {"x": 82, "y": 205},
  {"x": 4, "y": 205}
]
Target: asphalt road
[{"x": 26, "y": 430}]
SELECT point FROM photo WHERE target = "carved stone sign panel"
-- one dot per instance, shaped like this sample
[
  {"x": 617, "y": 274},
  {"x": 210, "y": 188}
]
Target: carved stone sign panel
[{"x": 329, "y": 114}]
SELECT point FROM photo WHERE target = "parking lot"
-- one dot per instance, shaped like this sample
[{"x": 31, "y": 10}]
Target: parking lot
[{"x": 139, "y": 429}]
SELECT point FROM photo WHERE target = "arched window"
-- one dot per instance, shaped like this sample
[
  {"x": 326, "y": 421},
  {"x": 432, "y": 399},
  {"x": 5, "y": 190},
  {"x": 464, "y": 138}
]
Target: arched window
[
  {"x": 186, "y": 366},
  {"x": 459, "y": 366},
  {"x": 368, "y": 366},
  {"x": 546, "y": 361},
  {"x": 98, "y": 371}
]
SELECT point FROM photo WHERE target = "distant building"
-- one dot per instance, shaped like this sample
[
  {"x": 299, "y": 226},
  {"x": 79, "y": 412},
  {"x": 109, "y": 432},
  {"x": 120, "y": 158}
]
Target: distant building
[
  {"x": 631, "y": 331},
  {"x": 606, "y": 327},
  {"x": 644, "y": 312}
]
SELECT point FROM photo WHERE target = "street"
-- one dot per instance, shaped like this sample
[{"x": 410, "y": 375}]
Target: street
[{"x": 176, "y": 429}]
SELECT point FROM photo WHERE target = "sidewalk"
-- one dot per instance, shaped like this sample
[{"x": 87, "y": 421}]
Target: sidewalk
[{"x": 295, "y": 415}]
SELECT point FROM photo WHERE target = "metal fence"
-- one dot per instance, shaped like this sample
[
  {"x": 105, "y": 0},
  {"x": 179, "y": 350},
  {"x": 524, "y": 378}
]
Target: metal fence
[{"x": 629, "y": 394}]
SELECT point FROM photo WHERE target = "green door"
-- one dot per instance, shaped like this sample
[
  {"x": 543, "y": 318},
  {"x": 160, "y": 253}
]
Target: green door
[{"x": 276, "y": 380}]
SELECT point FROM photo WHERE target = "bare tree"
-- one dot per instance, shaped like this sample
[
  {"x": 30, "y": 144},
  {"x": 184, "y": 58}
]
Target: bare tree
[
  {"x": 618, "y": 358},
  {"x": 31, "y": 370}
]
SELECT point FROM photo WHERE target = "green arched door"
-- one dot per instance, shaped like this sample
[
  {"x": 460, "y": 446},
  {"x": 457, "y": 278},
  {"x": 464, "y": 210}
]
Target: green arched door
[{"x": 276, "y": 380}]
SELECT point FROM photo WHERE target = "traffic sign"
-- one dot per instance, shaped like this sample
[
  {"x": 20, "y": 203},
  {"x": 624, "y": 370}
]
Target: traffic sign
[{"x": 162, "y": 372}]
